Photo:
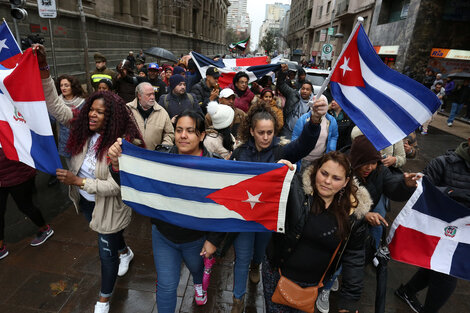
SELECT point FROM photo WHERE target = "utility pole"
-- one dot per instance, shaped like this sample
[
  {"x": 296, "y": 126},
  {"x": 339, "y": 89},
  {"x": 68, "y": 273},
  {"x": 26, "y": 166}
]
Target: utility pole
[
  {"x": 85, "y": 45},
  {"x": 333, "y": 11}
]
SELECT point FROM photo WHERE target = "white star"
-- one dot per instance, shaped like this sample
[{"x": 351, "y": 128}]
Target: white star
[
  {"x": 345, "y": 66},
  {"x": 252, "y": 199},
  {"x": 3, "y": 45}
]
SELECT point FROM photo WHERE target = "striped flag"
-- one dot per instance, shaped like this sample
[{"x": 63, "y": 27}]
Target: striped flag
[
  {"x": 384, "y": 104},
  {"x": 240, "y": 45},
  {"x": 205, "y": 194},
  {"x": 25, "y": 129},
  {"x": 432, "y": 231},
  {"x": 10, "y": 52},
  {"x": 255, "y": 67}
]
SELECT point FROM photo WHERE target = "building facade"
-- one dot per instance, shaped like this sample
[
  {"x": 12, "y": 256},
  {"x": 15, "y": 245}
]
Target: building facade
[
  {"x": 274, "y": 13},
  {"x": 238, "y": 18},
  {"x": 416, "y": 34},
  {"x": 114, "y": 27},
  {"x": 299, "y": 18}
]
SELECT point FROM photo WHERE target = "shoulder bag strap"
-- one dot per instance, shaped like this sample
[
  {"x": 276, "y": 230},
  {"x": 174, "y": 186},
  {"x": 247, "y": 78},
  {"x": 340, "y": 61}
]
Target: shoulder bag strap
[{"x": 331, "y": 261}]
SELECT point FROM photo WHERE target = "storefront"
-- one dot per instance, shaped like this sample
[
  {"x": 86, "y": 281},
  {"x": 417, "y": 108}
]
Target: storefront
[
  {"x": 449, "y": 61},
  {"x": 388, "y": 54}
]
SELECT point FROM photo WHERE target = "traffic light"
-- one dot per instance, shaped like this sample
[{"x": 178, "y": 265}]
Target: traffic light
[{"x": 17, "y": 9}]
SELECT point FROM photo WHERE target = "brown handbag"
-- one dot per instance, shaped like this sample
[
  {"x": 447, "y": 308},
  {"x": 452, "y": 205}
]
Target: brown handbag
[{"x": 290, "y": 294}]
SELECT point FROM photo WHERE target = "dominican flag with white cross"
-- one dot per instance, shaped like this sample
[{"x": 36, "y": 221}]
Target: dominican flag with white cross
[
  {"x": 205, "y": 194},
  {"x": 432, "y": 231},
  {"x": 385, "y": 105}
]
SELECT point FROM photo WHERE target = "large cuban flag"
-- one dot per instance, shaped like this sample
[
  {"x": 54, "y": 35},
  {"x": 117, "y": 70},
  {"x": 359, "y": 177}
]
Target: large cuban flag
[
  {"x": 432, "y": 231},
  {"x": 255, "y": 67},
  {"x": 384, "y": 104},
  {"x": 25, "y": 129},
  {"x": 205, "y": 193}
]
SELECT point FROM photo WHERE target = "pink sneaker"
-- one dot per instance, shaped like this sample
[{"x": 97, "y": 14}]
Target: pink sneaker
[
  {"x": 199, "y": 295},
  {"x": 206, "y": 277}
]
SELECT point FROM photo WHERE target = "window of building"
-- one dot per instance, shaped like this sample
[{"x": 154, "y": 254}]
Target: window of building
[
  {"x": 393, "y": 10},
  {"x": 317, "y": 36},
  {"x": 328, "y": 7},
  {"x": 320, "y": 8}
]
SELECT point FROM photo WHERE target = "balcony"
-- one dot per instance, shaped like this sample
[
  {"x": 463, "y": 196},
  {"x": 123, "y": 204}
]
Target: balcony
[{"x": 342, "y": 8}]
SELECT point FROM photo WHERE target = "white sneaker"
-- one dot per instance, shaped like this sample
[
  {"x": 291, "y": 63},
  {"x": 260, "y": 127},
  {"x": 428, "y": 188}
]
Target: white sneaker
[
  {"x": 449, "y": 124},
  {"x": 335, "y": 286},
  {"x": 124, "y": 260},
  {"x": 323, "y": 301},
  {"x": 102, "y": 307}
]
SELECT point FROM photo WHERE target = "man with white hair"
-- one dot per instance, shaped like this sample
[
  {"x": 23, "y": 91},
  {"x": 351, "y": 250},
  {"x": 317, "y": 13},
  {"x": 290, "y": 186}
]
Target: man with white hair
[{"x": 152, "y": 119}]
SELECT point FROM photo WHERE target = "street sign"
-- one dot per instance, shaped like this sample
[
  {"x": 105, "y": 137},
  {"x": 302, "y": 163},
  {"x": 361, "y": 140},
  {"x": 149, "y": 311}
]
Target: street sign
[
  {"x": 331, "y": 31},
  {"x": 47, "y": 8},
  {"x": 323, "y": 35},
  {"x": 326, "y": 51}
]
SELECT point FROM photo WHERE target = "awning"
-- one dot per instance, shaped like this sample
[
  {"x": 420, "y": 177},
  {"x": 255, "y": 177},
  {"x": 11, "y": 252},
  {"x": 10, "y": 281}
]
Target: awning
[
  {"x": 386, "y": 50},
  {"x": 450, "y": 54}
]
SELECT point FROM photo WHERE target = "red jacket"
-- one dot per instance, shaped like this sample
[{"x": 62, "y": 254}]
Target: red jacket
[
  {"x": 244, "y": 101},
  {"x": 13, "y": 173}
]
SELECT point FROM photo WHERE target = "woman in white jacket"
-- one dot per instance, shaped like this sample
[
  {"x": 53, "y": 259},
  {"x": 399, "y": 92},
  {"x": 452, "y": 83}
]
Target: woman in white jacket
[{"x": 102, "y": 119}]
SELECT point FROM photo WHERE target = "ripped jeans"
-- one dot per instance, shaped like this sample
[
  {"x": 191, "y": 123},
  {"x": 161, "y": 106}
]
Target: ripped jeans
[{"x": 110, "y": 246}]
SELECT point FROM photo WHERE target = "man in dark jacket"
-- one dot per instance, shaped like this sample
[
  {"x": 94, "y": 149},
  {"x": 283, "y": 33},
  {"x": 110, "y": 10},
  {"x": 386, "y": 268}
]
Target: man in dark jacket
[
  {"x": 207, "y": 89},
  {"x": 126, "y": 81},
  {"x": 101, "y": 72},
  {"x": 450, "y": 173},
  {"x": 154, "y": 78},
  {"x": 178, "y": 100},
  {"x": 460, "y": 97}
]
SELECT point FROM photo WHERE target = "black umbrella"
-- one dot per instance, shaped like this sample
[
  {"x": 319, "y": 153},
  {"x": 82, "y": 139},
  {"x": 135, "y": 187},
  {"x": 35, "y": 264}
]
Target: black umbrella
[
  {"x": 460, "y": 75},
  {"x": 161, "y": 53}
]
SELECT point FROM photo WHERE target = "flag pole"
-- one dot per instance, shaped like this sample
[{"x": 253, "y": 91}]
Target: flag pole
[{"x": 360, "y": 20}]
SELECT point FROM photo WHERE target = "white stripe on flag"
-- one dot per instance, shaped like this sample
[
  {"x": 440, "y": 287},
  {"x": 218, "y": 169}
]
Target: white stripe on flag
[
  {"x": 441, "y": 259},
  {"x": 405, "y": 100},
  {"x": 375, "y": 114},
  {"x": 281, "y": 214},
  {"x": 230, "y": 62},
  {"x": 179, "y": 175},
  {"x": 35, "y": 113},
  {"x": 186, "y": 207}
]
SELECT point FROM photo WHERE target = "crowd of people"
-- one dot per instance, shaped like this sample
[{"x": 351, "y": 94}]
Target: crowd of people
[{"x": 337, "y": 203}]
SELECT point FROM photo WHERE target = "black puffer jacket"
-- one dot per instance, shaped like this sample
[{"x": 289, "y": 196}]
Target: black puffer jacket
[
  {"x": 451, "y": 174},
  {"x": 351, "y": 253},
  {"x": 202, "y": 93}
]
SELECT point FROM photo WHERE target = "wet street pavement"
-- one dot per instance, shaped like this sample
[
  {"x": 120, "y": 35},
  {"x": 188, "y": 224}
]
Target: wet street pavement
[{"x": 63, "y": 275}]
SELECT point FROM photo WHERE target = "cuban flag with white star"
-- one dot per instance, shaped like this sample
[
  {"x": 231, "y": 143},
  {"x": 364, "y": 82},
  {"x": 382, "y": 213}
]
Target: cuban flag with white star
[
  {"x": 432, "y": 231},
  {"x": 386, "y": 105},
  {"x": 10, "y": 52},
  {"x": 205, "y": 194}
]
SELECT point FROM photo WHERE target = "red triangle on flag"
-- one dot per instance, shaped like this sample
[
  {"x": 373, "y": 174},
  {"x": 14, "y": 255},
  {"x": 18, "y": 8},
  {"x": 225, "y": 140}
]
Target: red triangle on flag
[
  {"x": 255, "y": 199},
  {"x": 348, "y": 68}
]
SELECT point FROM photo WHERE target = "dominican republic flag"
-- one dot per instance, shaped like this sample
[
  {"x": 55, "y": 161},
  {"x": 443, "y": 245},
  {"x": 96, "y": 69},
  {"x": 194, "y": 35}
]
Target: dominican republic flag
[
  {"x": 205, "y": 194},
  {"x": 432, "y": 231},
  {"x": 255, "y": 67},
  {"x": 384, "y": 104},
  {"x": 10, "y": 52},
  {"x": 240, "y": 45},
  {"x": 25, "y": 129}
]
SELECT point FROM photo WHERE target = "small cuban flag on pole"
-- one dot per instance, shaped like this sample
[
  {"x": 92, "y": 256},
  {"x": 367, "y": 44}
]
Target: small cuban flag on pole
[{"x": 384, "y": 104}]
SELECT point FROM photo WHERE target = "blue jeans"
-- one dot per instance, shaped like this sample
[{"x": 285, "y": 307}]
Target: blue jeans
[
  {"x": 168, "y": 256},
  {"x": 456, "y": 107},
  {"x": 376, "y": 231},
  {"x": 329, "y": 283},
  {"x": 109, "y": 246},
  {"x": 248, "y": 247}
]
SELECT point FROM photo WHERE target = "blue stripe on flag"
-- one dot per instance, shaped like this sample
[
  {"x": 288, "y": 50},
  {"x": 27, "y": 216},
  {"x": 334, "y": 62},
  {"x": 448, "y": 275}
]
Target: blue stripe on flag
[
  {"x": 460, "y": 261},
  {"x": 195, "y": 162},
  {"x": 373, "y": 61},
  {"x": 202, "y": 60},
  {"x": 436, "y": 204},
  {"x": 153, "y": 186},
  {"x": 42, "y": 148},
  {"x": 261, "y": 70},
  {"x": 202, "y": 224},
  {"x": 361, "y": 120},
  {"x": 396, "y": 113}
]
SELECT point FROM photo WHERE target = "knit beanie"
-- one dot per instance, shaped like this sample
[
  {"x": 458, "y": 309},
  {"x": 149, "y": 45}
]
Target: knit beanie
[
  {"x": 175, "y": 80},
  {"x": 363, "y": 152},
  {"x": 178, "y": 70},
  {"x": 221, "y": 115}
]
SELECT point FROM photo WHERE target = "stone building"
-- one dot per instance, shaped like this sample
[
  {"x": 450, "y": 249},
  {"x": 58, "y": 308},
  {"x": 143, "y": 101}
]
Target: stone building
[
  {"x": 299, "y": 18},
  {"x": 411, "y": 35},
  {"x": 238, "y": 18},
  {"x": 114, "y": 27},
  {"x": 274, "y": 13}
]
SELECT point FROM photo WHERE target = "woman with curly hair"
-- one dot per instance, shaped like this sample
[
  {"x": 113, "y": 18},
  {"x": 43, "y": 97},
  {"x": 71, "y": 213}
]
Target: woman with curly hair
[
  {"x": 103, "y": 118},
  {"x": 260, "y": 144},
  {"x": 326, "y": 209},
  {"x": 72, "y": 94}
]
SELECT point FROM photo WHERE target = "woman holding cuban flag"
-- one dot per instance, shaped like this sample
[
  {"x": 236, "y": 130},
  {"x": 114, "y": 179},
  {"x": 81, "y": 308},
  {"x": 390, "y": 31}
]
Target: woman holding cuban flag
[{"x": 101, "y": 120}]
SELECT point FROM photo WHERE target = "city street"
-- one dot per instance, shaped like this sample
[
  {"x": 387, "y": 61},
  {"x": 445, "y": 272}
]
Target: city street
[{"x": 63, "y": 275}]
